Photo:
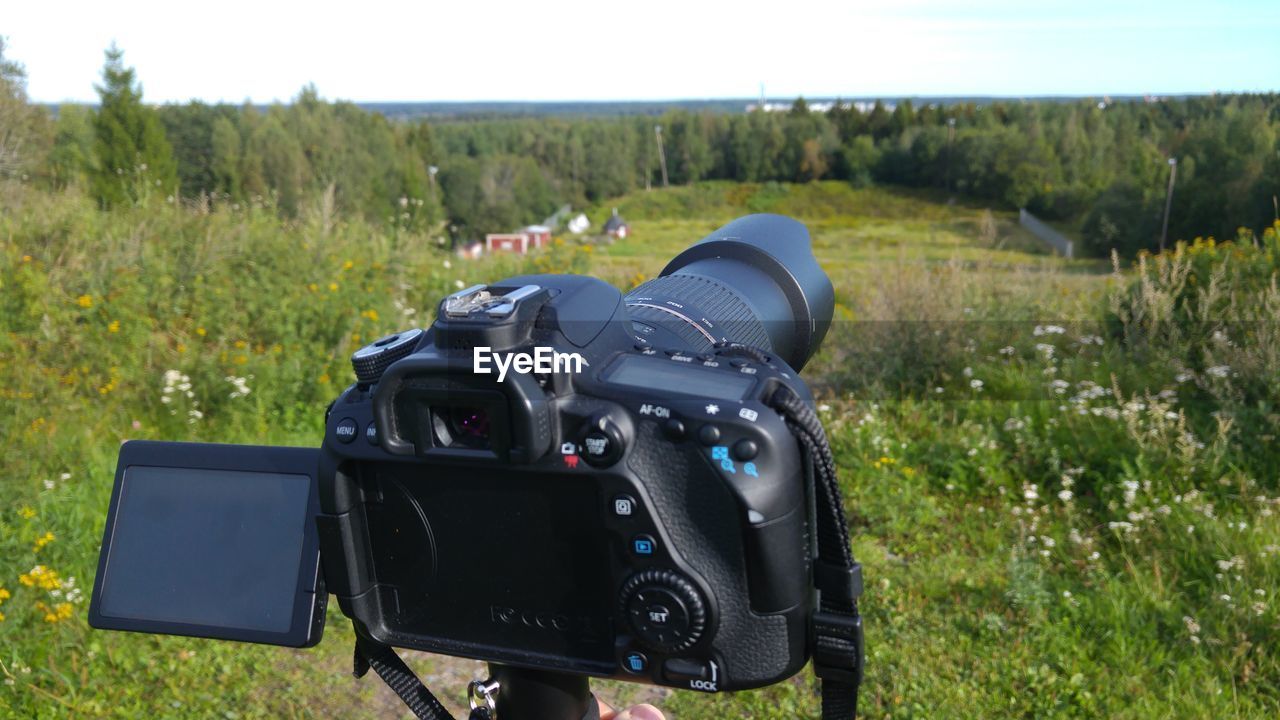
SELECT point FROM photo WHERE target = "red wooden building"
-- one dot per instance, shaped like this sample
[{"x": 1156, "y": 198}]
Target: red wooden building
[{"x": 530, "y": 238}]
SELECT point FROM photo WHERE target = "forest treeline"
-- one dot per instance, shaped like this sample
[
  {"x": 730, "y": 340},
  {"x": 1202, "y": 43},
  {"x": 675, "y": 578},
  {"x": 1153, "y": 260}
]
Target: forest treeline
[{"x": 1098, "y": 166}]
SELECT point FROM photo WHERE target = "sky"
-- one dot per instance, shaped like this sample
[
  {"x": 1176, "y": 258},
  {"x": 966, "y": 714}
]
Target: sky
[{"x": 373, "y": 50}]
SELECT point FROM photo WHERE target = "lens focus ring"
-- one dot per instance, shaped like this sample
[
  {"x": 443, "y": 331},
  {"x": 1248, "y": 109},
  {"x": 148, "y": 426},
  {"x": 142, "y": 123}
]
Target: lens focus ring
[{"x": 701, "y": 311}]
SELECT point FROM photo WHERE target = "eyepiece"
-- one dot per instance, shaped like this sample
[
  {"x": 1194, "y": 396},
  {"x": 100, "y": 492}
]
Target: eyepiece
[{"x": 753, "y": 281}]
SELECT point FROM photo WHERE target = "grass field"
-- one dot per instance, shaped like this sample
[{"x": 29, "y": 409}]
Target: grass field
[{"x": 1062, "y": 479}]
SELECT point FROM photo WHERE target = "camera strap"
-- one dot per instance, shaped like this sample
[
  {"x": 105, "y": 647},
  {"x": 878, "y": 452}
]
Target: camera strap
[
  {"x": 839, "y": 654},
  {"x": 397, "y": 675}
]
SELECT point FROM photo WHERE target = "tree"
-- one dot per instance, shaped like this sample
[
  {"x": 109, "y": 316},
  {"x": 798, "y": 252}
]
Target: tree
[
  {"x": 71, "y": 159},
  {"x": 21, "y": 125},
  {"x": 133, "y": 155},
  {"x": 226, "y": 142}
]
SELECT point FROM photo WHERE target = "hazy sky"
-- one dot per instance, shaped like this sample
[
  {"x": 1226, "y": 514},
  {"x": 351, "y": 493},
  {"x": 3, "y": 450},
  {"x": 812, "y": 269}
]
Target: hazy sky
[{"x": 232, "y": 50}]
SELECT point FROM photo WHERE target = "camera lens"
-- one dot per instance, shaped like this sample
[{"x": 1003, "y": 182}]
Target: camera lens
[
  {"x": 754, "y": 281},
  {"x": 463, "y": 426}
]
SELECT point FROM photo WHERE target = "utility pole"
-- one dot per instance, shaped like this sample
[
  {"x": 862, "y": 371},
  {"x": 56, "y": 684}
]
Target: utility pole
[
  {"x": 951, "y": 134},
  {"x": 662, "y": 155},
  {"x": 1168, "y": 201}
]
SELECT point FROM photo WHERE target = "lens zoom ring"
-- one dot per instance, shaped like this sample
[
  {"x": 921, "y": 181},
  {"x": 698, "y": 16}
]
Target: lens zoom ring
[{"x": 732, "y": 317}]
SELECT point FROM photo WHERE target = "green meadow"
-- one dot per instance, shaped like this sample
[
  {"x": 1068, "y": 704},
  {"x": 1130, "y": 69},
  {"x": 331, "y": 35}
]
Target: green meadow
[{"x": 1063, "y": 477}]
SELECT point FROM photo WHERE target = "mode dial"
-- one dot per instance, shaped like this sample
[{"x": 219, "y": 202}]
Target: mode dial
[
  {"x": 370, "y": 361},
  {"x": 664, "y": 609}
]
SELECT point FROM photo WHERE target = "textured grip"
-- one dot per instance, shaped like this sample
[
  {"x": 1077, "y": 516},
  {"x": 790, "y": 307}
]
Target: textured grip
[
  {"x": 698, "y": 513},
  {"x": 707, "y": 306}
]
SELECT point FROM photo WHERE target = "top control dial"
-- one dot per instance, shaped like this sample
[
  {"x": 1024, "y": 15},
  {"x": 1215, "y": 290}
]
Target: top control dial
[
  {"x": 664, "y": 609},
  {"x": 370, "y": 361}
]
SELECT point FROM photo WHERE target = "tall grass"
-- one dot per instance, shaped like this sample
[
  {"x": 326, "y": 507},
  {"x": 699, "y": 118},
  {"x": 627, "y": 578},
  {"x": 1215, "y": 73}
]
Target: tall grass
[{"x": 1063, "y": 482}]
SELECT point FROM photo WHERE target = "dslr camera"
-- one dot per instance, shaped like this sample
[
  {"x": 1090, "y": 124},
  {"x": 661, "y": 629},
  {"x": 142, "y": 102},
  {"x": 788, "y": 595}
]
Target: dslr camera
[{"x": 555, "y": 478}]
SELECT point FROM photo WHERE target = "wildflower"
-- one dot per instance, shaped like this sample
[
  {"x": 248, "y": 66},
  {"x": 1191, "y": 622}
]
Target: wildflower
[
  {"x": 1029, "y": 493},
  {"x": 4, "y": 595},
  {"x": 1065, "y": 495},
  {"x": 459, "y": 284},
  {"x": 42, "y": 541},
  {"x": 85, "y": 301},
  {"x": 41, "y": 577},
  {"x": 1183, "y": 377},
  {"x": 26, "y": 512},
  {"x": 1219, "y": 370},
  {"x": 1046, "y": 348},
  {"x": 348, "y": 265},
  {"x": 447, "y": 264},
  {"x": 114, "y": 327},
  {"x": 333, "y": 287},
  {"x": 1048, "y": 330},
  {"x": 1059, "y": 386},
  {"x": 976, "y": 384},
  {"x": 1007, "y": 350}
]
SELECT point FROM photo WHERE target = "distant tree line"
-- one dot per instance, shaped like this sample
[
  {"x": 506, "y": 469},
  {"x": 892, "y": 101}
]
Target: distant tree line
[{"x": 1101, "y": 167}]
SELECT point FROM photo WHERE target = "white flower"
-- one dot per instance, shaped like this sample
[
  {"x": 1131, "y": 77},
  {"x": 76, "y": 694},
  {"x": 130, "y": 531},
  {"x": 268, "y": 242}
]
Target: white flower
[
  {"x": 459, "y": 284},
  {"x": 1219, "y": 370},
  {"x": 1048, "y": 330},
  {"x": 1065, "y": 495},
  {"x": 1007, "y": 350},
  {"x": 976, "y": 384},
  {"x": 1046, "y": 348}
]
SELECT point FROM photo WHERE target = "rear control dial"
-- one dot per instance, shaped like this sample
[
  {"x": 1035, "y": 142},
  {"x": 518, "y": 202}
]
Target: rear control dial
[{"x": 665, "y": 611}]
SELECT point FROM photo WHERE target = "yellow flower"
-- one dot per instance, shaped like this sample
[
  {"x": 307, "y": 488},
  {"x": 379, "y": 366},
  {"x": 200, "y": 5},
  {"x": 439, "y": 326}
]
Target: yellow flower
[
  {"x": 240, "y": 344},
  {"x": 42, "y": 577},
  {"x": 1, "y": 617},
  {"x": 4, "y": 595},
  {"x": 200, "y": 332},
  {"x": 324, "y": 379},
  {"x": 26, "y": 512},
  {"x": 26, "y": 258},
  {"x": 348, "y": 265},
  {"x": 313, "y": 287},
  {"x": 42, "y": 541},
  {"x": 85, "y": 301},
  {"x": 181, "y": 348},
  {"x": 241, "y": 359},
  {"x": 371, "y": 314},
  {"x": 333, "y": 287},
  {"x": 114, "y": 326}
]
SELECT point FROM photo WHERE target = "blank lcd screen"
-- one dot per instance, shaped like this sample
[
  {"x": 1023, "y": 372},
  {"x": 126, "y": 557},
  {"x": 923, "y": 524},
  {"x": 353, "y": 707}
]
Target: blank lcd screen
[
  {"x": 668, "y": 375},
  {"x": 215, "y": 548}
]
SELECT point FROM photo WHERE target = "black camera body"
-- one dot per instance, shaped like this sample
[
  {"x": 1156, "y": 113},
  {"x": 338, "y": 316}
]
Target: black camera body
[
  {"x": 552, "y": 477},
  {"x": 645, "y": 518}
]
